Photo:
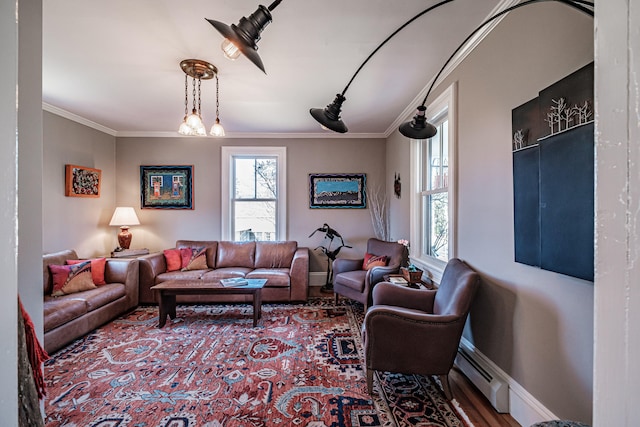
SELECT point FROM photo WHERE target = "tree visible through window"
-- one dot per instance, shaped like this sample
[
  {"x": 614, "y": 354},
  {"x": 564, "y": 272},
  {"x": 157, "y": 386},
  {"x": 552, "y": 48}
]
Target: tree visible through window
[
  {"x": 433, "y": 198},
  {"x": 253, "y": 198},
  {"x": 435, "y": 193}
]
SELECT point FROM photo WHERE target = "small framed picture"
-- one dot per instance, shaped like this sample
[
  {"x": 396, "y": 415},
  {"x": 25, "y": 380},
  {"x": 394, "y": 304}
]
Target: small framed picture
[
  {"x": 166, "y": 187},
  {"x": 81, "y": 181},
  {"x": 337, "y": 190}
]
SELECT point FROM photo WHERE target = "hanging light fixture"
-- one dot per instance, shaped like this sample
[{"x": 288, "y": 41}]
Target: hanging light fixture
[
  {"x": 198, "y": 70},
  {"x": 217, "y": 129},
  {"x": 418, "y": 127},
  {"x": 243, "y": 38},
  {"x": 329, "y": 117}
]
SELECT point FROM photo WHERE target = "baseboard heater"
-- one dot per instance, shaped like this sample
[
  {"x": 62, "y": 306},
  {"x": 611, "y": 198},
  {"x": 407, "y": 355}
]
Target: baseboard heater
[{"x": 480, "y": 374}]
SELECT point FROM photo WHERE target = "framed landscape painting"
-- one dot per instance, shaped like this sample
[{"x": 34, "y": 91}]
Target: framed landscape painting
[
  {"x": 81, "y": 181},
  {"x": 337, "y": 190},
  {"x": 166, "y": 187}
]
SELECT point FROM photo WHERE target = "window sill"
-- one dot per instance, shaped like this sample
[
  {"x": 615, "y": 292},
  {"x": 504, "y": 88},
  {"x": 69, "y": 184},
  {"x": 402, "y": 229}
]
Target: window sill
[{"x": 433, "y": 267}]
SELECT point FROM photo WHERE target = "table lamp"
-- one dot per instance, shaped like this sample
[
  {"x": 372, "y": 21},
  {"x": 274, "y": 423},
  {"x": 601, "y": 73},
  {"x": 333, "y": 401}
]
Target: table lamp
[{"x": 124, "y": 217}]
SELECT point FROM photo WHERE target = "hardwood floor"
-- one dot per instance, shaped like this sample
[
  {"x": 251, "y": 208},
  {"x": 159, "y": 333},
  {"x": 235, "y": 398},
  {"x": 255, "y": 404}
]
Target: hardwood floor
[
  {"x": 472, "y": 402},
  {"x": 475, "y": 405}
]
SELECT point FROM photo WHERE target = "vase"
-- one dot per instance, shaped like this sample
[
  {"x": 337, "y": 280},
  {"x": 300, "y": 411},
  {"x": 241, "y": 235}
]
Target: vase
[{"x": 411, "y": 276}]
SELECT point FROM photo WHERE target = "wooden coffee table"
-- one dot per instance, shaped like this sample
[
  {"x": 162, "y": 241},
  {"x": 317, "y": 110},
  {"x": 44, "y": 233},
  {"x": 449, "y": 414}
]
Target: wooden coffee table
[{"x": 168, "y": 290}]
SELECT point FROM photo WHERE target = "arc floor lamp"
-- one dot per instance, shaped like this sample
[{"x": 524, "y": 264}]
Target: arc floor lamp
[{"x": 418, "y": 127}]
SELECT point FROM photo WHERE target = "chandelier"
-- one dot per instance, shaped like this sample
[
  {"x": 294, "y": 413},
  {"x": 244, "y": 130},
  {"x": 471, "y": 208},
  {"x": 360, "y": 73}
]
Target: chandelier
[{"x": 192, "y": 124}]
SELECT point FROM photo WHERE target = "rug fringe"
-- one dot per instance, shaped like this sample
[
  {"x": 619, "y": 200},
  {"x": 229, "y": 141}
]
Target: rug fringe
[{"x": 463, "y": 415}]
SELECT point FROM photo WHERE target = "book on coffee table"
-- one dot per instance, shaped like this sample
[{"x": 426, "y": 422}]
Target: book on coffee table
[{"x": 234, "y": 281}]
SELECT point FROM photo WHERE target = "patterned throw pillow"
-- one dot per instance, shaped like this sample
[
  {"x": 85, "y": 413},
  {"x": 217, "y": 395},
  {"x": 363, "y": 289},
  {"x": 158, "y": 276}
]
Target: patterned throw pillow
[
  {"x": 371, "y": 261},
  {"x": 98, "y": 266},
  {"x": 194, "y": 258},
  {"x": 68, "y": 279},
  {"x": 173, "y": 258}
]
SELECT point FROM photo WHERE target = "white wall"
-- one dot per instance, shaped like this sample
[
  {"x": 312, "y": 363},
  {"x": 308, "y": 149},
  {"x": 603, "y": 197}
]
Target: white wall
[
  {"x": 535, "y": 325},
  {"x": 20, "y": 209},
  {"x": 8, "y": 218},
  {"x": 617, "y": 299},
  {"x": 76, "y": 222}
]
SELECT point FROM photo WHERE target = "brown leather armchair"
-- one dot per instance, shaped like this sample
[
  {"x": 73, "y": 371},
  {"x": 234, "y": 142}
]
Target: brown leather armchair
[
  {"x": 351, "y": 281},
  {"x": 414, "y": 331}
]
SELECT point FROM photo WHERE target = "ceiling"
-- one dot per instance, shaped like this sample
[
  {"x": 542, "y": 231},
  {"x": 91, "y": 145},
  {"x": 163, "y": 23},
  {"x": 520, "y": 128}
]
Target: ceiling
[{"x": 115, "y": 63}]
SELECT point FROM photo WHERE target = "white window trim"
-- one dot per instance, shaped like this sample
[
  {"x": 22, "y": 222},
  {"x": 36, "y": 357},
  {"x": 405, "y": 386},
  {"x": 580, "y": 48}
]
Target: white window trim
[
  {"x": 433, "y": 266},
  {"x": 227, "y": 186}
]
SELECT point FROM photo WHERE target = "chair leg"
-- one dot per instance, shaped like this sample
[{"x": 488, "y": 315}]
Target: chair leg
[
  {"x": 369, "y": 380},
  {"x": 444, "y": 380},
  {"x": 337, "y": 297}
]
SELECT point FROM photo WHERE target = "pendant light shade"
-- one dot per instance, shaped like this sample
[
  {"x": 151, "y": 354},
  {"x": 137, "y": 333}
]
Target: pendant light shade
[
  {"x": 243, "y": 38},
  {"x": 418, "y": 127},
  {"x": 329, "y": 117}
]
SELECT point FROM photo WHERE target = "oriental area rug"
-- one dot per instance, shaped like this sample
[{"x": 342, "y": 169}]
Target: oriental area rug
[{"x": 210, "y": 368}]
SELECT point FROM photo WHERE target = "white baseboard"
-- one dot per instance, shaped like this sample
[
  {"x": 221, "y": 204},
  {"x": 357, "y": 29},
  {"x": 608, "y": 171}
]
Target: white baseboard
[{"x": 523, "y": 407}]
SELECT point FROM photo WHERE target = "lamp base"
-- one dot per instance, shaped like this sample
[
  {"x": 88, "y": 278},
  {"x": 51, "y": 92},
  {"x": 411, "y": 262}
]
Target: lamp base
[{"x": 124, "y": 237}]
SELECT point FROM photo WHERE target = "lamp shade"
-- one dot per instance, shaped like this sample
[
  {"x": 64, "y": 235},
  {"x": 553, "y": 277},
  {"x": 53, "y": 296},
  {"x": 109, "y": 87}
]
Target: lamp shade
[
  {"x": 124, "y": 216},
  {"x": 329, "y": 117}
]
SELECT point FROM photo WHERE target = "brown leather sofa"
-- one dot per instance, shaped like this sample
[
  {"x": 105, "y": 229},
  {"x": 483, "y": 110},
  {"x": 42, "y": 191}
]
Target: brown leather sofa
[
  {"x": 68, "y": 317},
  {"x": 283, "y": 264}
]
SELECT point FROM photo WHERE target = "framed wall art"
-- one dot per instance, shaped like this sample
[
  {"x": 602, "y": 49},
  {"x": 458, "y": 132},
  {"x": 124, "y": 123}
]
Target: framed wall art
[
  {"x": 337, "y": 190},
  {"x": 81, "y": 181},
  {"x": 166, "y": 187}
]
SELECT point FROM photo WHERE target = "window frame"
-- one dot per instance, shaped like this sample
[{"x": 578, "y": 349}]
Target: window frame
[
  {"x": 443, "y": 104},
  {"x": 228, "y": 154}
]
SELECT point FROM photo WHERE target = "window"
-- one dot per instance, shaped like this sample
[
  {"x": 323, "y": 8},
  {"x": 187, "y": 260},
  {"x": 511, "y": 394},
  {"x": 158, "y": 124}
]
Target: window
[
  {"x": 432, "y": 188},
  {"x": 253, "y": 193}
]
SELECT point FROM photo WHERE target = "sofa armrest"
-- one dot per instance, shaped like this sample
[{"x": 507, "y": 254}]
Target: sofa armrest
[
  {"x": 150, "y": 266},
  {"x": 124, "y": 271},
  {"x": 299, "y": 275}
]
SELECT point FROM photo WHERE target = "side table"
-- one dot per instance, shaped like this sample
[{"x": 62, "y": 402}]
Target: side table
[{"x": 418, "y": 285}]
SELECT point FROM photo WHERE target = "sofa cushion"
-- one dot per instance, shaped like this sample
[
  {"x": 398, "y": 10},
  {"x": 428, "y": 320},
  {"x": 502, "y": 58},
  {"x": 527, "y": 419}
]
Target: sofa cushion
[
  {"x": 275, "y": 254},
  {"x": 98, "y": 266},
  {"x": 68, "y": 279},
  {"x": 225, "y": 273},
  {"x": 193, "y": 275},
  {"x": 96, "y": 298},
  {"x": 236, "y": 254},
  {"x": 371, "y": 261},
  {"x": 276, "y": 277},
  {"x": 60, "y": 310},
  {"x": 57, "y": 258},
  {"x": 173, "y": 258},
  {"x": 211, "y": 245},
  {"x": 194, "y": 258}
]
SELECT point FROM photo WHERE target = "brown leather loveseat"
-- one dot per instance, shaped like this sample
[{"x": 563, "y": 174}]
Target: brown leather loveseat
[
  {"x": 71, "y": 316},
  {"x": 283, "y": 264}
]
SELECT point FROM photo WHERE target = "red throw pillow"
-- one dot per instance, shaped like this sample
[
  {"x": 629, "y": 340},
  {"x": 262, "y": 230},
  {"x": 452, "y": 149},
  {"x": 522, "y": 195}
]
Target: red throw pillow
[
  {"x": 98, "y": 266},
  {"x": 68, "y": 279},
  {"x": 194, "y": 258},
  {"x": 371, "y": 261},
  {"x": 173, "y": 259}
]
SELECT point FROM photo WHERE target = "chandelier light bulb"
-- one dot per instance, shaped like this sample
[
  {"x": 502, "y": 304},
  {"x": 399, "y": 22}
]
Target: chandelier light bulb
[
  {"x": 230, "y": 50},
  {"x": 184, "y": 128},
  {"x": 193, "y": 120},
  {"x": 217, "y": 129}
]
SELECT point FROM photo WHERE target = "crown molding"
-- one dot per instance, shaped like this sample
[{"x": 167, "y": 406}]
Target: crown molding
[
  {"x": 258, "y": 135},
  {"x": 78, "y": 119},
  {"x": 460, "y": 56}
]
